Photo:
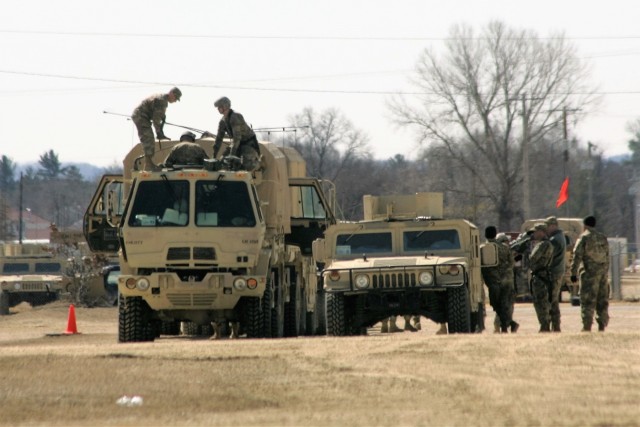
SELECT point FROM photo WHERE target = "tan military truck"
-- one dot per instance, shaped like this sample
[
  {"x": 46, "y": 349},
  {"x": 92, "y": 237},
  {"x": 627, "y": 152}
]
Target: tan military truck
[
  {"x": 404, "y": 258},
  {"x": 29, "y": 273},
  {"x": 206, "y": 242},
  {"x": 572, "y": 228}
]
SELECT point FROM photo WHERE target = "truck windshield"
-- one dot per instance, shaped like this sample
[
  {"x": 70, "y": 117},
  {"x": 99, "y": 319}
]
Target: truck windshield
[
  {"x": 224, "y": 204},
  {"x": 160, "y": 204},
  {"x": 306, "y": 203},
  {"x": 430, "y": 240},
  {"x": 363, "y": 243}
]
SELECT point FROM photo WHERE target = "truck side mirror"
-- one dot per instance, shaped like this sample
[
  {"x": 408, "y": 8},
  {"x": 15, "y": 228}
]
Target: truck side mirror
[
  {"x": 318, "y": 250},
  {"x": 489, "y": 254}
]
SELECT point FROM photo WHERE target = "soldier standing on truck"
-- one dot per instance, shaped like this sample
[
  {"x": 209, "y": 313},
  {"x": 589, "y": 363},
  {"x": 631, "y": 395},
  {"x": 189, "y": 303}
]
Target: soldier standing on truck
[
  {"x": 557, "y": 268},
  {"x": 245, "y": 143},
  {"x": 499, "y": 280},
  {"x": 541, "y": 278},
  {"x": 153, "y": 110},
  {"x": 592, "y": 250}
]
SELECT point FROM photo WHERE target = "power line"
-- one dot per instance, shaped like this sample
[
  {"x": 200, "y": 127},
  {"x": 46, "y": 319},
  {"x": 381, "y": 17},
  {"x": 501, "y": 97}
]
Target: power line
[
  {"x": 299, "y": 37},
  {"x": 266, "y": 89}
]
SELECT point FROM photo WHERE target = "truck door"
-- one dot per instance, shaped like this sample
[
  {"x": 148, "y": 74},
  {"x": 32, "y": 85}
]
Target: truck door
[
  {"x": 101, "y": 219},
  {"x": 310, "y": 213}
]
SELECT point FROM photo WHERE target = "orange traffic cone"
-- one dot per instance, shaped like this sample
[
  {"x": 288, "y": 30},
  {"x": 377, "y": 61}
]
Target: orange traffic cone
[{"x": 71, "y": 322}]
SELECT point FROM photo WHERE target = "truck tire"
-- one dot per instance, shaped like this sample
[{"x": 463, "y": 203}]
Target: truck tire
[
  {"x": 320, "y": 314},
  {"x": 4, "y": 303},
  {"x": 254, "y": 318},
  {"x": 190, "y": 328},
  {"x": 277, "y": 314},
  {"x": 170, "y": 327},
  {"x": 133, "y": 320},
  {"x": 336, "y": 321},
  {"x": 458, "y": 312}
]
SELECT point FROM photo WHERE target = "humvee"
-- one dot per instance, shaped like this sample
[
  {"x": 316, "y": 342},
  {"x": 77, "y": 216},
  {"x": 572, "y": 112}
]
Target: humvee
[{"x": 404, "y": 258}]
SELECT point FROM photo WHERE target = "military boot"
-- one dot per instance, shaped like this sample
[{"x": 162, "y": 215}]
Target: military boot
[
  {"x": 601, "y": 327},
  {"x": 235, "y": 330},
  {"x": 149, "y": 166},
  {"x": 416, "y": 323},
  {"x": 514, "y": 327},
  {"x": 544, "y": 327},
  {"x": 407, "y": 324},
  {"x": 555, "y": 327},
  {"x": 217, "y": 329},
  {"x": 392, "y": 325},
  {"x": 442, "y": 330},
  {"x": 586, "y": 328}
]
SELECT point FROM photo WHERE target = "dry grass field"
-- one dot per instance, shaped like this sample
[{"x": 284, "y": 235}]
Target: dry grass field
[{"x": 570, "y": 378}]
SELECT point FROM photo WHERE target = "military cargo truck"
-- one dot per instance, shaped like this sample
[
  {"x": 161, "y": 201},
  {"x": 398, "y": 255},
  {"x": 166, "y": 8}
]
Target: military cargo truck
[
  {"x": 206, "y": 242},
  {"x": 404, "y": 258},
  {"x": 29, "y": 273}
]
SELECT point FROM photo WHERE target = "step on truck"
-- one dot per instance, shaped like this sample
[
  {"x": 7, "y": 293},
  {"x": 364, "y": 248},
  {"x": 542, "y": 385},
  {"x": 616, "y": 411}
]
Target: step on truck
[
  {"x": 404, "y": 258},
  {"x": 207, "y": 242}
]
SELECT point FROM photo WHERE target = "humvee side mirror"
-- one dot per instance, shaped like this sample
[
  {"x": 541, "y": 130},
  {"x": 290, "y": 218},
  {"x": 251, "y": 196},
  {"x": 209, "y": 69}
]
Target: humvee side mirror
[
  {"x": 489, "y": 254},
  {"x": 318, "y": 250}
]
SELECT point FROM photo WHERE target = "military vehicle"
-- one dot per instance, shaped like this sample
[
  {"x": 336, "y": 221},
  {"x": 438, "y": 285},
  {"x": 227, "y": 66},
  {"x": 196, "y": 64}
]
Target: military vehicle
[
  {"x": 404, "y": 258},
  {"x": 572, "y": 228},
  {"x": 29, "y": 273},
  {"x": 204, "y": 242}
]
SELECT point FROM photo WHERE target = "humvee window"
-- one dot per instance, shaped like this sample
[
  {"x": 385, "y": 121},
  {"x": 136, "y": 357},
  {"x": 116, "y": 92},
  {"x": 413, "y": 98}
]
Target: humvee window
[
  {"x": 224, "y": 204},
  {"x": 160, "y": 203},
  {"x": 306, "y": 203},
  {"x": 363, "y": 243},
  {"x": 48, "y": 267},
  {"x": 15, "y": 268},
  {"x": 430, "y": 240}
]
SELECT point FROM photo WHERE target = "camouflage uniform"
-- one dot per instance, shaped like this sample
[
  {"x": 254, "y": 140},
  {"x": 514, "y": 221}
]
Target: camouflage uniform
[
  {"x": 151, "y": 110},
  {"x": 499, "y": 280},
  {"x": 542, "y": 281},
  {"x": 557, "y": 269},
  {"x": 186, "y": 153},
  {"x": 592, "y": 250},
  {"x": 245, "y": 143}
]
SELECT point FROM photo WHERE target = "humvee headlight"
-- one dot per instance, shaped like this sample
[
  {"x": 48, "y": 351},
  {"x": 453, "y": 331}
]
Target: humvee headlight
[
  {"x": 334, "y": 275},
  {"x": 130, "y": 283},
  {"x": 452, "y": 270},
  {"x": 426, "y": 278},
  {"x": 143, "y": 284},
  {"x": 362, "y": 281},
  {"x": 252, "y": 283},
  {"x": 17, "y": 286},
  {"x": 240, "y": 284}
]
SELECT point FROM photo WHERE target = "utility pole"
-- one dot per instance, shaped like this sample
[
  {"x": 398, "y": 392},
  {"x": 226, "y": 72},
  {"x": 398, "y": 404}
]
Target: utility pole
[
  {"x": 21, "y": 225},
  {"x": 526, "y": 207},
  {"x": 565, "y": 136}
]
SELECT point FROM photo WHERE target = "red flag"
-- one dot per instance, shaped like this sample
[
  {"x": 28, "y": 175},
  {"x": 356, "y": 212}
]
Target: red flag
[{"x": 564, "y": 193}]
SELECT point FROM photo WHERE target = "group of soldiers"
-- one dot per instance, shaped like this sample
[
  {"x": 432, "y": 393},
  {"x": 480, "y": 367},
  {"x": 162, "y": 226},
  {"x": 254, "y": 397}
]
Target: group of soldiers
[
  {"x": 547, "y": 266},
  {"x": 151, "y": 112}
]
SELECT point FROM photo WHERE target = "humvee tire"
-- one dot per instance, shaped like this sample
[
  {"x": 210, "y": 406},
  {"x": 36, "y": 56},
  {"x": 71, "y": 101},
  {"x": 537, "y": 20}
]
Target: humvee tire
[
  {"x": 336, "y": 322},
  {"x": 133, "y": 324},
  {"x": 170, "y": 327},
  {"x": 4, "y": 303},
  {"x": 320, "y": 314},
  {"x": 292, "y": 312},
  {"x": 459, "y": 320}
]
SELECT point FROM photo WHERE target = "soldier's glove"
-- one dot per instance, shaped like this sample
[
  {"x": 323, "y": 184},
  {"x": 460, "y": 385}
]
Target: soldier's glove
[{"x": 574, "y": 279}]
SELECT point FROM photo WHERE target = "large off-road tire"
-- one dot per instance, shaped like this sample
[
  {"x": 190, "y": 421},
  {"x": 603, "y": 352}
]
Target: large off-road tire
[
  {"x": 190, "y": 328},
  {"x": 253, "y": 321},
  {"x": 4, "y": 303},
  {"x": 134, "y": 324},
  {"x": 336, "y": 316},
  {"x": 458, "y": 312},
  {"x": 170, "y": 327},
  {"x": 293, "y": 312},
  {"x": 277, "y": 313}
]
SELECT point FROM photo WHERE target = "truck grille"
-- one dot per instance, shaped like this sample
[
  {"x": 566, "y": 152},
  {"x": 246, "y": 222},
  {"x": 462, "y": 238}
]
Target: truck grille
[
  {"x": 192, "y": 300},
  {"x": 394, "y": 280},
  {"x": 204, "y": 253},
  {"x": 33, "y": 287},
  {"x": 178, "y": 253}
]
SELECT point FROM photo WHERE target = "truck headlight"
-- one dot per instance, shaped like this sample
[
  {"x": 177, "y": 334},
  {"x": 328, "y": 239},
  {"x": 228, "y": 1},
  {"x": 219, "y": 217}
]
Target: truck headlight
[
  {"x": 143, "y": 284},
  {"x": 426, "y": 278},
  {"x": 240, "y": 284},
  {"x": 17, "y": 286},
  {"x": 362, "y": 281}
]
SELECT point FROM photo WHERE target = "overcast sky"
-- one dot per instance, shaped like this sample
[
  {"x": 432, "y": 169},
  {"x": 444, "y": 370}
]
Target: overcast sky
[{"x": 64, "y": 62}]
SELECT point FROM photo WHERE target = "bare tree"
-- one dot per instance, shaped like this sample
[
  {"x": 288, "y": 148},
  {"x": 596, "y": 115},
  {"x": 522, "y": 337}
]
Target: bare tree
[{"x": 482, "y": 93}]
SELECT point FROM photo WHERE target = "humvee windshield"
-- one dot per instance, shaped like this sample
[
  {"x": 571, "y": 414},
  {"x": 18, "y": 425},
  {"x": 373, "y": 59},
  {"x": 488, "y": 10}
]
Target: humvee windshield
[
  {"x": 48, "y": 267},
  {"x": 363, "y": 243},
  {"x": 15, "y": 268},
  {"x": 430, "y": 240}
]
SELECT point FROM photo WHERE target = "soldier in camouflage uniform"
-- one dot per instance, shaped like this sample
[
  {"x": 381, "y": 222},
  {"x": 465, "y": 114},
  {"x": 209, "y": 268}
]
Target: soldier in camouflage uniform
[
  {"x": 503, "y": 239},
  {"x": 541, "y": 277},
  {"x": 557, "y": 268},
  {"x": 592, "y": 250},
  {"x": 245, "y": 143},
  {"x": 499, "y": 280},
  {"x": 153, "y": 110}
]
